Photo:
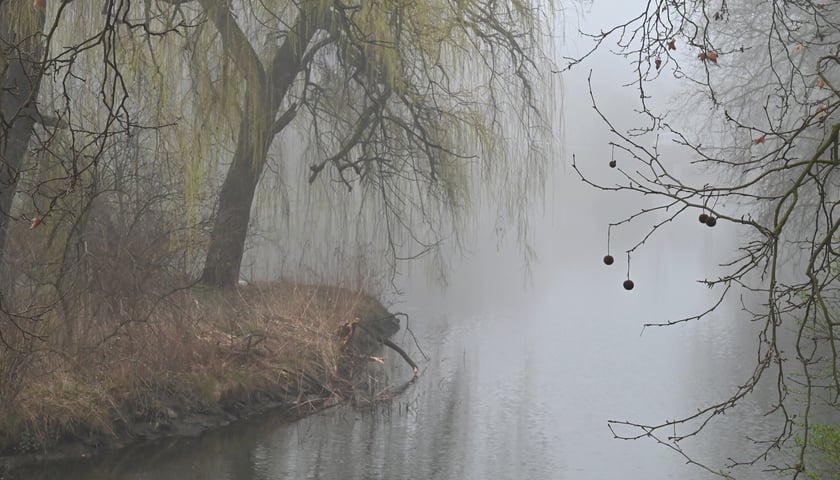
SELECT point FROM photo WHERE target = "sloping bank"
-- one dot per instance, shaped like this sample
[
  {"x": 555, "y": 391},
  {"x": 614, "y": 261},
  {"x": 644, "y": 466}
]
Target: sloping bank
[{"x": 204, "y": 359}]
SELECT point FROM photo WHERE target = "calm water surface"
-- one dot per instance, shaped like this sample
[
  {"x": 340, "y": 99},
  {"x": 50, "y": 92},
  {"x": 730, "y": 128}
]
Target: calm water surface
[{"x": 516, "y": 387}]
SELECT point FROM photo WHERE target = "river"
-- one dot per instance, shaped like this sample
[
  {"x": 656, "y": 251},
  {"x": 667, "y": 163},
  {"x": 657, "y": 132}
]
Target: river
[{"x": 518, "y": 385}]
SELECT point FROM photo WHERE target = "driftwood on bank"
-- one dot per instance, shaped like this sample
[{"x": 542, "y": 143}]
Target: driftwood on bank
[{"x": 350, "y": 328}]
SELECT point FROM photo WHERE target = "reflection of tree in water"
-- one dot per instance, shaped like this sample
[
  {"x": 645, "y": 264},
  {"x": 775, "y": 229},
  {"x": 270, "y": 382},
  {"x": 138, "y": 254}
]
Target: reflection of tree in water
[
  {"x": 448, "y": 442},
  {"x": 473, "y": 412},
  {"x": 422, "y": 432},
  {"x": 224, "y": 453}
]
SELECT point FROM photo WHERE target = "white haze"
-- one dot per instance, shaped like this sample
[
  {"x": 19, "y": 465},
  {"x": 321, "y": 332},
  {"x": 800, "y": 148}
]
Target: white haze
[{"x": 594, "y": 324}]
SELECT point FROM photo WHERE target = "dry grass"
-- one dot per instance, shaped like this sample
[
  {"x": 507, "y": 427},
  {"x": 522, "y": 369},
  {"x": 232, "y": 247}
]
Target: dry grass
[
  {"x": 101, "y": 334},
  {"x": 195, "y": 350}
]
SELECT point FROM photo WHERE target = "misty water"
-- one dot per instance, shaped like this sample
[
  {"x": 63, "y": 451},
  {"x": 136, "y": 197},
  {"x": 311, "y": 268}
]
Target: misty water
[
  {"x": 525, "y": 365},
  {"x": 517, "y": 385}
]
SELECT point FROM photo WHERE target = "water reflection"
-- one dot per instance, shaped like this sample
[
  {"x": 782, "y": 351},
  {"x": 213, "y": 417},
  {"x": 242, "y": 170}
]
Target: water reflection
[
  {"x": 520, "y": 383},
  {"x": 517, "y": 393}
]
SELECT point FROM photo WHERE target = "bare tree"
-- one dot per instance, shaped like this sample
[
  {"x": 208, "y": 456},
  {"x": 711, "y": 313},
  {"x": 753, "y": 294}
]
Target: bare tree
[
  {"x": 766, "y": 76},
  {"x": 66, "y": 123},
  {"x": 20, "y": 79}
]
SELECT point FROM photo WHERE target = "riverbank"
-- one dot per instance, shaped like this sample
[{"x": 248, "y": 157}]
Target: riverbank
[{"x": 202, "y": 359}]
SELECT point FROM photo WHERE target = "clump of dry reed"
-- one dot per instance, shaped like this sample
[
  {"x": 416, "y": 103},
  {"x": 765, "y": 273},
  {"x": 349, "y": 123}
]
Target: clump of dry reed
[
  {"x": 189, "y": 351},
  {"x": 100, "y": 330}
]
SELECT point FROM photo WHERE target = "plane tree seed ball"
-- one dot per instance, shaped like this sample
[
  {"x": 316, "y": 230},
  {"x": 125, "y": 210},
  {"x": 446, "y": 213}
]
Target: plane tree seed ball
[
  {"x": 613, "y": 163},
  {"x": 628, "y": 284},
  {"x": 608, "y": 260},
  {"x": 703, "y": 218},
  {"x": 711, "y": 221}
]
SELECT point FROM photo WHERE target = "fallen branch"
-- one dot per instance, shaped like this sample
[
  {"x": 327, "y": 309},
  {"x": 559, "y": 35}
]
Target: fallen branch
[{"x": 393, "y": 346}]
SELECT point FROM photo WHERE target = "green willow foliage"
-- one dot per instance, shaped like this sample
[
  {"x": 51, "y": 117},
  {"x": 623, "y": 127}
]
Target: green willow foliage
[
  {"x": 428, "y": 108},
  {"x": 394, "y": 123}
]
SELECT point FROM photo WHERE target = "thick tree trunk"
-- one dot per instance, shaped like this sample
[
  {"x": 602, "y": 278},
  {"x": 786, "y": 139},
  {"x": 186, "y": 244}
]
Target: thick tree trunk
[
  {"x": 256, "y": 131},
  {"x": 227, "y": 239},
  {"x": 20, "y": 52}
]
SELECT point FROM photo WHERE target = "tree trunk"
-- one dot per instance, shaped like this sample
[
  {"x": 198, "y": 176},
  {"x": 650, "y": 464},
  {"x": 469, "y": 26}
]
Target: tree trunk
[
  {"x": 20, "y": 55},
  {"x": 227, "y": 239},
  {"x": 257, "y": 129}
]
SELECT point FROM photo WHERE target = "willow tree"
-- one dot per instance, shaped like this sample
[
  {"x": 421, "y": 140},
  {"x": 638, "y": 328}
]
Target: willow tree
[{"x": 408, "y": 100}]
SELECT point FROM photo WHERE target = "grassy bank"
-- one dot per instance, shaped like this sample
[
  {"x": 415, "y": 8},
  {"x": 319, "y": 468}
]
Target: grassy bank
[{"x": 197, "y": 351}]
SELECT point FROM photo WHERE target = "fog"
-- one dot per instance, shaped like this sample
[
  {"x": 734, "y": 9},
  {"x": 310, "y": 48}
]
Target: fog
[
  {"x": 586, "y": 352},
  {"x": 569, "y": 227},
  {"x": 533, "y": 344},
  {"x": 550, "y": 345}
]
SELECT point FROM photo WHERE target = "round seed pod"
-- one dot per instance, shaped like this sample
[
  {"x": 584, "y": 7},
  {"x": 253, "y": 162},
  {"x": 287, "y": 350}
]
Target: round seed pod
[
  {"x": 711, "y": 221},
  {"x": 608, "y": 260},
  {"x": 703, "y": 218},
  {"x": 628, "y": 284},
  {"x": 613, "y": 163}
]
